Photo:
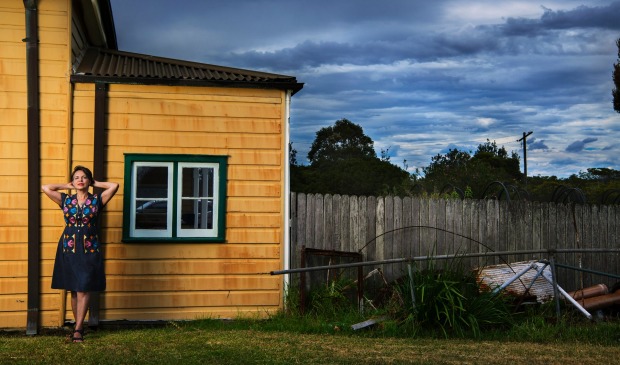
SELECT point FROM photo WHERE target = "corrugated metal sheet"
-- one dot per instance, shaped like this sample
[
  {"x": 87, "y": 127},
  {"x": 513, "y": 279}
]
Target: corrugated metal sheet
[
  {"x": 491, "y": 277},
  {"x": 106, "y": 63}
]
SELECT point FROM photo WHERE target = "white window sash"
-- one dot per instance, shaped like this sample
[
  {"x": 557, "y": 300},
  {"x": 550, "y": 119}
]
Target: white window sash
[{"x": 148, "y": 233}]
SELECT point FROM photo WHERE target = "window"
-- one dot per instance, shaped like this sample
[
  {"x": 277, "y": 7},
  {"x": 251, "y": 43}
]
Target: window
[{"x": 174, "y": 198}]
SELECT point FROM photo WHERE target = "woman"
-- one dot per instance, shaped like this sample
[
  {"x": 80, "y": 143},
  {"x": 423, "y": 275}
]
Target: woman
[{"x": 79, "y": 262}]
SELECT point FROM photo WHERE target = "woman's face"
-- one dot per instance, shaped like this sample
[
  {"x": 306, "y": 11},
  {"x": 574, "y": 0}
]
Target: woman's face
[{"x": 80, "y": 180}]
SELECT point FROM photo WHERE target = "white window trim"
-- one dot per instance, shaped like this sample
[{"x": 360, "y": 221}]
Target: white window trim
[
  {"x": 205, "y": 232},
  {"x": 148, "y": 233}
]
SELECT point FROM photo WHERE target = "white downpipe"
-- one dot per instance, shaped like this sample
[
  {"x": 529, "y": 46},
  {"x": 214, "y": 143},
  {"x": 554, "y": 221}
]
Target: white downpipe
[{"x": 287, "y": 194}]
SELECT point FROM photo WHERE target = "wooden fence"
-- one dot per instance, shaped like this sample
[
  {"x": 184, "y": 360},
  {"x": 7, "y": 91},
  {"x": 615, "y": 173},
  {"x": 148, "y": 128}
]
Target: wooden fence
[{"x": 389, "y": 227}]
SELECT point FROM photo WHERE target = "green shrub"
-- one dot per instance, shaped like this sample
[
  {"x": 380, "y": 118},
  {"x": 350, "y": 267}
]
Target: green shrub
[{"x": 449, "y": 301}]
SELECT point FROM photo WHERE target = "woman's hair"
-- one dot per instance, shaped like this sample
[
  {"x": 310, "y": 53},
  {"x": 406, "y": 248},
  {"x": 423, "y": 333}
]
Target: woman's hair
[{"x": 85, "y": 170}]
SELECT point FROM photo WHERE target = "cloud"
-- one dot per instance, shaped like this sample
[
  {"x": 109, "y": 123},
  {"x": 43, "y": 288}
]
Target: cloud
[
  {"x": 578, "y": 146},
  {"x": 535, "y": 144},
  {"x": 420, "y": 77}
]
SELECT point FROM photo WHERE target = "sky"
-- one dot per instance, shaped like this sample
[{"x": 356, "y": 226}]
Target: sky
[{"x": 420, "y": 77}]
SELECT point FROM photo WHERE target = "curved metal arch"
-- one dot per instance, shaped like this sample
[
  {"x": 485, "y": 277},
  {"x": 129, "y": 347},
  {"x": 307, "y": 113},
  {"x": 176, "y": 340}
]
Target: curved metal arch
[
  {"x": 418, "y": 188},
  {"x": 558, "y": 192},
  {"x": 607, "y": 197},
  {"x": 448, "y": 188},
  {"x": 502, "y": 191},
  {"x": 566, "y": 194}
]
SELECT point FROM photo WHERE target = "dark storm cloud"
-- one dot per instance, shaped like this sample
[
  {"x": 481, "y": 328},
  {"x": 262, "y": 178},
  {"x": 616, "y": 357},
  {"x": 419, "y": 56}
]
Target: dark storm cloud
[
  {"x": 578, "y": 146},
  {"x": 535, "y": 144},
  {"x": 420, "y": 77},
  {"x": 513, "y": 36},
  {"x": 605, "y": 17}
]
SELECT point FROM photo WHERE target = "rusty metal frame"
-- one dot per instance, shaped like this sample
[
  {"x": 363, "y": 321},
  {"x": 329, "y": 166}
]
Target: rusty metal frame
[{"x": 320, "y": 252}]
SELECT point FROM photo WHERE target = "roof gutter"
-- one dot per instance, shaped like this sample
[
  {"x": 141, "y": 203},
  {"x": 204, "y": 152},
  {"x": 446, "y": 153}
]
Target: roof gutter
[{"x": 34, "y": 172}]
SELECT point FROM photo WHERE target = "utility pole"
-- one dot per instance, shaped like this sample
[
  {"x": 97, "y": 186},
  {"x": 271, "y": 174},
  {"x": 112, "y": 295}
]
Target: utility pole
[{"x": 524, "y": 139}]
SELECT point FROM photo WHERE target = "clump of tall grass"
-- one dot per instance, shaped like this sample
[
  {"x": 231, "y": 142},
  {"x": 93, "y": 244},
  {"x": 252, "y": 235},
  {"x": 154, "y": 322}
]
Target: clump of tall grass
[{"x": 446, "y": 301}]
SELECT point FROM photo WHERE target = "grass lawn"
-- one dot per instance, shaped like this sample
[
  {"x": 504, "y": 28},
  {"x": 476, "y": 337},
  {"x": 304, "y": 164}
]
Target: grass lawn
[{"x": 271, "y": 342}]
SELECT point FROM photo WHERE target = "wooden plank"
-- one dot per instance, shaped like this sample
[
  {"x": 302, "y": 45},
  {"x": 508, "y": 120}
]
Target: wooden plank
[
  {"x": 161, "y": 251},
  {"x": 256, "y": 220},
  {"x": 415, "y": 230},
  {"x": 18, "y": 302},
  {"x": 238, "y": 156},
  {"x": 371, "y": 241},
  {"x": 244, "y": 235},
  {"x": 168, "y": 139},
  {"x": 254, "y": 189},
  {"x": 190, "y": 299},
  {"x": 388, "y": 248},
  {"x": 253, "y": 204},
  {"x": 53, "y": 36},
  {"x": 439, "y": 213},
  {"x": 189, "y": 313},
  {"x": 17, "y": 84},
  {"x": 190, "y": 123},
  {"x": 146, "y": 95},
  {"x": 301, "y": 222},
  {"x": 319, "y": 223},
  {"x": 13, "y": 269},
  {"x": 354, "y": 223},
  {"x": 336, "y": 222},
  {"x": 163, "y": 283},
  {"x": 126, "y": 90},
  {"x": 13, "y": 166},
  {"x": 310, "y": 217},
  {"x": 362, "y": 224},
  {"x": 52, "y": 21},
  {"x": 205, "y": 108},
  {"x": 125, "y": 266},
  {"x": 380, "y": 229},
  {"x": 345, "y": 222},
  {"x": 328, "y": 222},
  {"x": 12, "y": 150},
  {"x": 456, "y": 226}
]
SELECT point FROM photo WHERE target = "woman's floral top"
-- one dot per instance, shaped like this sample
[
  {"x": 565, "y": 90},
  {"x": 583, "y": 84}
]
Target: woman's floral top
[{"x": 80, "y": 223}]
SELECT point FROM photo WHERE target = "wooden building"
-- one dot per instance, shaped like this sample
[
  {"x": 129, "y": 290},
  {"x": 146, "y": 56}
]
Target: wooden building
[{"x": 200, "y": 152}]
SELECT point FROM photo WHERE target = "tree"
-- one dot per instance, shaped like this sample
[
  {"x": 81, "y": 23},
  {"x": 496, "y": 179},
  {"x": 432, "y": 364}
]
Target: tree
[
  {"x": 343, "y": 161},
  {"x": 616, "y": 77},
  {"x": 344, "y": 140},
  {"x": 462, "y": 170},
  {"x": 292, "y": 155}
]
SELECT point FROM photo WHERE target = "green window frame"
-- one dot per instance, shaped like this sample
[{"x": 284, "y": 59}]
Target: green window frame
[{"x": 174, "y": 198}]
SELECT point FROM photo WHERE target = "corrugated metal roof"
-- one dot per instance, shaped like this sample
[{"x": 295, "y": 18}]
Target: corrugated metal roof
[
  {"x": 491, "y": 277},
  {"x": 101, "y": 64}
]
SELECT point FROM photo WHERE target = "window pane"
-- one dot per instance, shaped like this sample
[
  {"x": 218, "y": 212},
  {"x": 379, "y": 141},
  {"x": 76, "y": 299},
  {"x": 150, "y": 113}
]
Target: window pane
[
  {"x": 152, "y": 214},
  {"x": 197, "y": 213},
  {"x": 197, "y": 182},
  {"x": 152, "y": 182}
]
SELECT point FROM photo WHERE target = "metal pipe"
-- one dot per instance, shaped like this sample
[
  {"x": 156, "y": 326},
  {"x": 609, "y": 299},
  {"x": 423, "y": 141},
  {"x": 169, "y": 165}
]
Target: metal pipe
[
  {"x": 34, "y": 168},
  {"x": 593, "y": 291},
  {"x": 438, "y": 257},
  {"x": 568, "y": 297},
  {"x": 602, "y": 301},
  {"x": 589, "y": 271},
  {"x": 556, "y": 287},
  {"x": 515, "y": 277},
  {"x": 287, "y": 193}
]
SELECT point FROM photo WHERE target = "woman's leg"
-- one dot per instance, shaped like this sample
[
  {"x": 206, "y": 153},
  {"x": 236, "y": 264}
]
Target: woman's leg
[
  {"x": 82, "y": 303},
  {"x": 74, "y": 304}
]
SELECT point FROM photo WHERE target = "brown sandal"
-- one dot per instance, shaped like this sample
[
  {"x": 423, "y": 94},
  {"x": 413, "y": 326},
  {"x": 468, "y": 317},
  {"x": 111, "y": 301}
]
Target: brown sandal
[{"x": 76, "y": 339}]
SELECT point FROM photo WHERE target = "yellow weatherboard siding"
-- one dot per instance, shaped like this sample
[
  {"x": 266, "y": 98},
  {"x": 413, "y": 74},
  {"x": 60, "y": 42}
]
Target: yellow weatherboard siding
[
  {"x": 150, "y": 281},
  {"x": 190, "y": 280},
  {"x": 54, "y": 83}
]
